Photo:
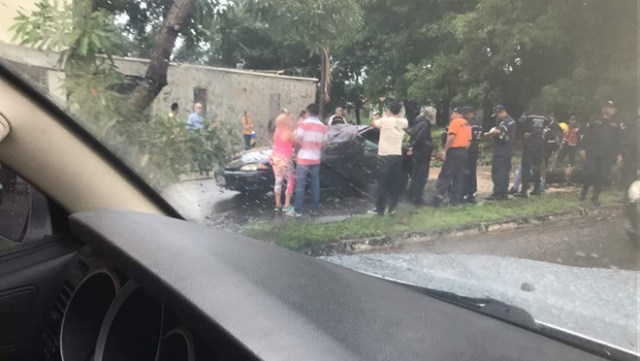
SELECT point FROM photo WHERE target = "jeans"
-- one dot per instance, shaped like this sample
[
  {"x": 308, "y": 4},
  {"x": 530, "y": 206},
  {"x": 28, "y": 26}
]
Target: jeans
[
  {"x": 247, "y": 141},
  {"x": 567, "y": 150},
  {"x": 452, "y": 173},
  {"x": 389, "y": 182},
  {"x": 500, "y": 169},
  {"x": 517, "y": 182},
  {"x": 419, "y": 176},
  {"x": 531, "y": 166},
  {"x": 470, "y": 180},
  {"x": 302, "y": 172}
]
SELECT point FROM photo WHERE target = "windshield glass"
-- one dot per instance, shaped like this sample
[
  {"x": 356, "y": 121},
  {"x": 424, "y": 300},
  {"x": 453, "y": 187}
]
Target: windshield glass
[{"x": 480, "y": 147}]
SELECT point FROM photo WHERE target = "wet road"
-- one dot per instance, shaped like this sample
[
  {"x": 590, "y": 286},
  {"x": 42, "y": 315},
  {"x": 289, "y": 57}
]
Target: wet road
[
  {"x": 204, "y": 201},
  {"x": 598, "y": 242}
]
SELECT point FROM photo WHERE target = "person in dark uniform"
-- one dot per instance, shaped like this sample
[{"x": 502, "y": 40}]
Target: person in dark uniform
[
  {"x": 532, "y": 125},
  {"x": 470, "y": 186},
  {"x": 601, "y": 147},
  {"x": 550, "y": 135},
  {"x": 420, "y": 148},
  {"x": 455, "y": 160},
  {"x": 503, "y": 137}
]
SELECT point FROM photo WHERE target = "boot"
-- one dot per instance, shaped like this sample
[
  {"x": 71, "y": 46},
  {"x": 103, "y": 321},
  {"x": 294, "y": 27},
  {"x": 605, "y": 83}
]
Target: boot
[
  {"x": 583, "y": 194},
  {"x": 536, "y": 191}
]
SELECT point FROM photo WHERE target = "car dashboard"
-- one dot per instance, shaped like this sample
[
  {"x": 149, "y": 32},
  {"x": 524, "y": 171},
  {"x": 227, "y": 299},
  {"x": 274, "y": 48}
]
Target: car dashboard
[{"x": 145, "y": 287}]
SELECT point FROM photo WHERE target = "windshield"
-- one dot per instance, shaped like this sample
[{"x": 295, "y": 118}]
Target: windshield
[{"x": 479, "y": 147}]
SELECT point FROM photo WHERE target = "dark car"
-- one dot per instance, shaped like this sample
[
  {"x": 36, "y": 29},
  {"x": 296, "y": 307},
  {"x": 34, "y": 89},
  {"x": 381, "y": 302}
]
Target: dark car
[{"x": 348, "y": 162}]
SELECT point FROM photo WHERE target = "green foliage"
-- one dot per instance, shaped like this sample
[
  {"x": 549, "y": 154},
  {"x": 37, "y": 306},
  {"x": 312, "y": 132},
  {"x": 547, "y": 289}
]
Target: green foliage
[
  {"x": 159, "y": 148},
  {"x": 318, "y": 24},
  {"x": 510, "y": 51}
]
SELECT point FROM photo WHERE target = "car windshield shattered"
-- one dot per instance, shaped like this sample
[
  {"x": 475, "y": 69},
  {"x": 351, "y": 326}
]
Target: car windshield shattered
[{"x": 484, "y": 151}]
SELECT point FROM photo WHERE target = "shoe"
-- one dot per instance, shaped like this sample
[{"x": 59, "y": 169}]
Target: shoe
[
  {"x": 315, "y": 213},
  {"x": 535, "y": 192},
  {"x": 513, "y": 191},
  {"x": 493, "y": 197},
  {"x": 470, "y": 200},
  {"x": 374, "y": 212},
  {"x": 287, "y": 209},
  {"x": 293, "y": 213},
  {"x": 522, "y": 195},
  {"x": 391, "y": 211},
  {"x": 277, "y": 209}
]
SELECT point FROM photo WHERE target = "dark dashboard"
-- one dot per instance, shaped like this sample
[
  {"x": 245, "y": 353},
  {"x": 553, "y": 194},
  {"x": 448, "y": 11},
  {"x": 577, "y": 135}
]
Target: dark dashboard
[{"x": 174, "y": 290}]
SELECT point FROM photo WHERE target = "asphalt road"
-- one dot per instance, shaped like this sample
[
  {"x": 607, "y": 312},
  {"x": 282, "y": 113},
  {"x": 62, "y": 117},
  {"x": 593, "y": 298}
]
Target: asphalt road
[{"x": 594, "y": 242}]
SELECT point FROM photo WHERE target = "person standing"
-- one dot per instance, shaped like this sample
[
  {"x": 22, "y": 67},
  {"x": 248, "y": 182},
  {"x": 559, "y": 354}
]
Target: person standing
[
  {"x": 309, "y": 138},
  {"x": 281, "y": 161},
  {"x": 420, "y": 148},
  {"x": 503, "y": 137},
  {"x": 455, "y": 160},
  {"x": 601, "y": 147},
  {"x": 337, "y": 118},
  {"x": 247, "y": 129},
  {"x": 570, "y": 142},
  {"x": 470, "y": 186},
  {"x": 532, "y": 125},
  {"x": 195, "y": 121},
  {"x": 392, "y": 128},
  {"x": 175, "y": 111}
]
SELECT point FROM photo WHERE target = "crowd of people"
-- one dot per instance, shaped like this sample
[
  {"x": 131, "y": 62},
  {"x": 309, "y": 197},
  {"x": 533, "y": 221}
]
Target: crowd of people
[{"x": 302, "y": 139}]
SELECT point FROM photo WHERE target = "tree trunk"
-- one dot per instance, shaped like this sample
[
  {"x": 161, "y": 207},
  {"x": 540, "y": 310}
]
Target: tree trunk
[
  {"x": 325, "y": 83},
  {"x": 155, "y": 77}
]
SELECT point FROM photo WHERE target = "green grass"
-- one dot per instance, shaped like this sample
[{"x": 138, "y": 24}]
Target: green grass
[{"x": 296, "y": 234}]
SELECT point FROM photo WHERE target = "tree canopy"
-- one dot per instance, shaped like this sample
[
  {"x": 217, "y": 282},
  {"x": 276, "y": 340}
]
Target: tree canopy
[{"x": 573, "y": 54}]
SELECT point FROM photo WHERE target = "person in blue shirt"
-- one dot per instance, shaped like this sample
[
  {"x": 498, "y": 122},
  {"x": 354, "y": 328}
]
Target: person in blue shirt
[{"x": 195, "y": 121}]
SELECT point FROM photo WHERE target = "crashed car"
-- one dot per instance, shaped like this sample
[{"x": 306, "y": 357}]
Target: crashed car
[{"x": 348, "y": 162}]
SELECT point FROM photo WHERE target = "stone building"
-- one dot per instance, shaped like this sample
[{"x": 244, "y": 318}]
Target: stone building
[{"x": 225, "y": 93}]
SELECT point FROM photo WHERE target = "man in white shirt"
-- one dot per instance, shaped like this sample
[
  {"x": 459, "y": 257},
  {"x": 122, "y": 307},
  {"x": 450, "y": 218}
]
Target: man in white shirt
[{"x": 392, "y": 133}]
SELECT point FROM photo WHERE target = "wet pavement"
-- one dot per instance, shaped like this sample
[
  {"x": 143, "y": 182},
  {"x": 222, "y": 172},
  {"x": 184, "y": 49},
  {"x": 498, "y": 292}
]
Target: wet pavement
[
  {"x": 592, "y": 241},
  {"x": 203, "y": 201}
]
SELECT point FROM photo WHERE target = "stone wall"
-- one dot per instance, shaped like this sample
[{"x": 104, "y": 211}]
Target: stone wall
[{"x": 225, "y": 92}]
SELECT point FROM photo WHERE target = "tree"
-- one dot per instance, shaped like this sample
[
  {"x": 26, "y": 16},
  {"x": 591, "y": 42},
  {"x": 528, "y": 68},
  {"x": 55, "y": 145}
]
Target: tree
[
  {"x": 155, "y": 77},
  {"x": 87, "y": 38},
  {"x": 321, "y": 25},
  {"x": 514, "y": 50}
]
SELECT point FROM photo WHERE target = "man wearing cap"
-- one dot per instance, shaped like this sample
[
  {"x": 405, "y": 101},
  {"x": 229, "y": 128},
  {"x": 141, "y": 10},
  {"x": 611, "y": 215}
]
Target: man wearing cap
[
  {"x": 532, "y": 125},
  {"x": 503, "y": 136},
  {"x": 601, "y": 147},
  {"x": 470, "y": 184},
  {"x": 455, "y": 160}
]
